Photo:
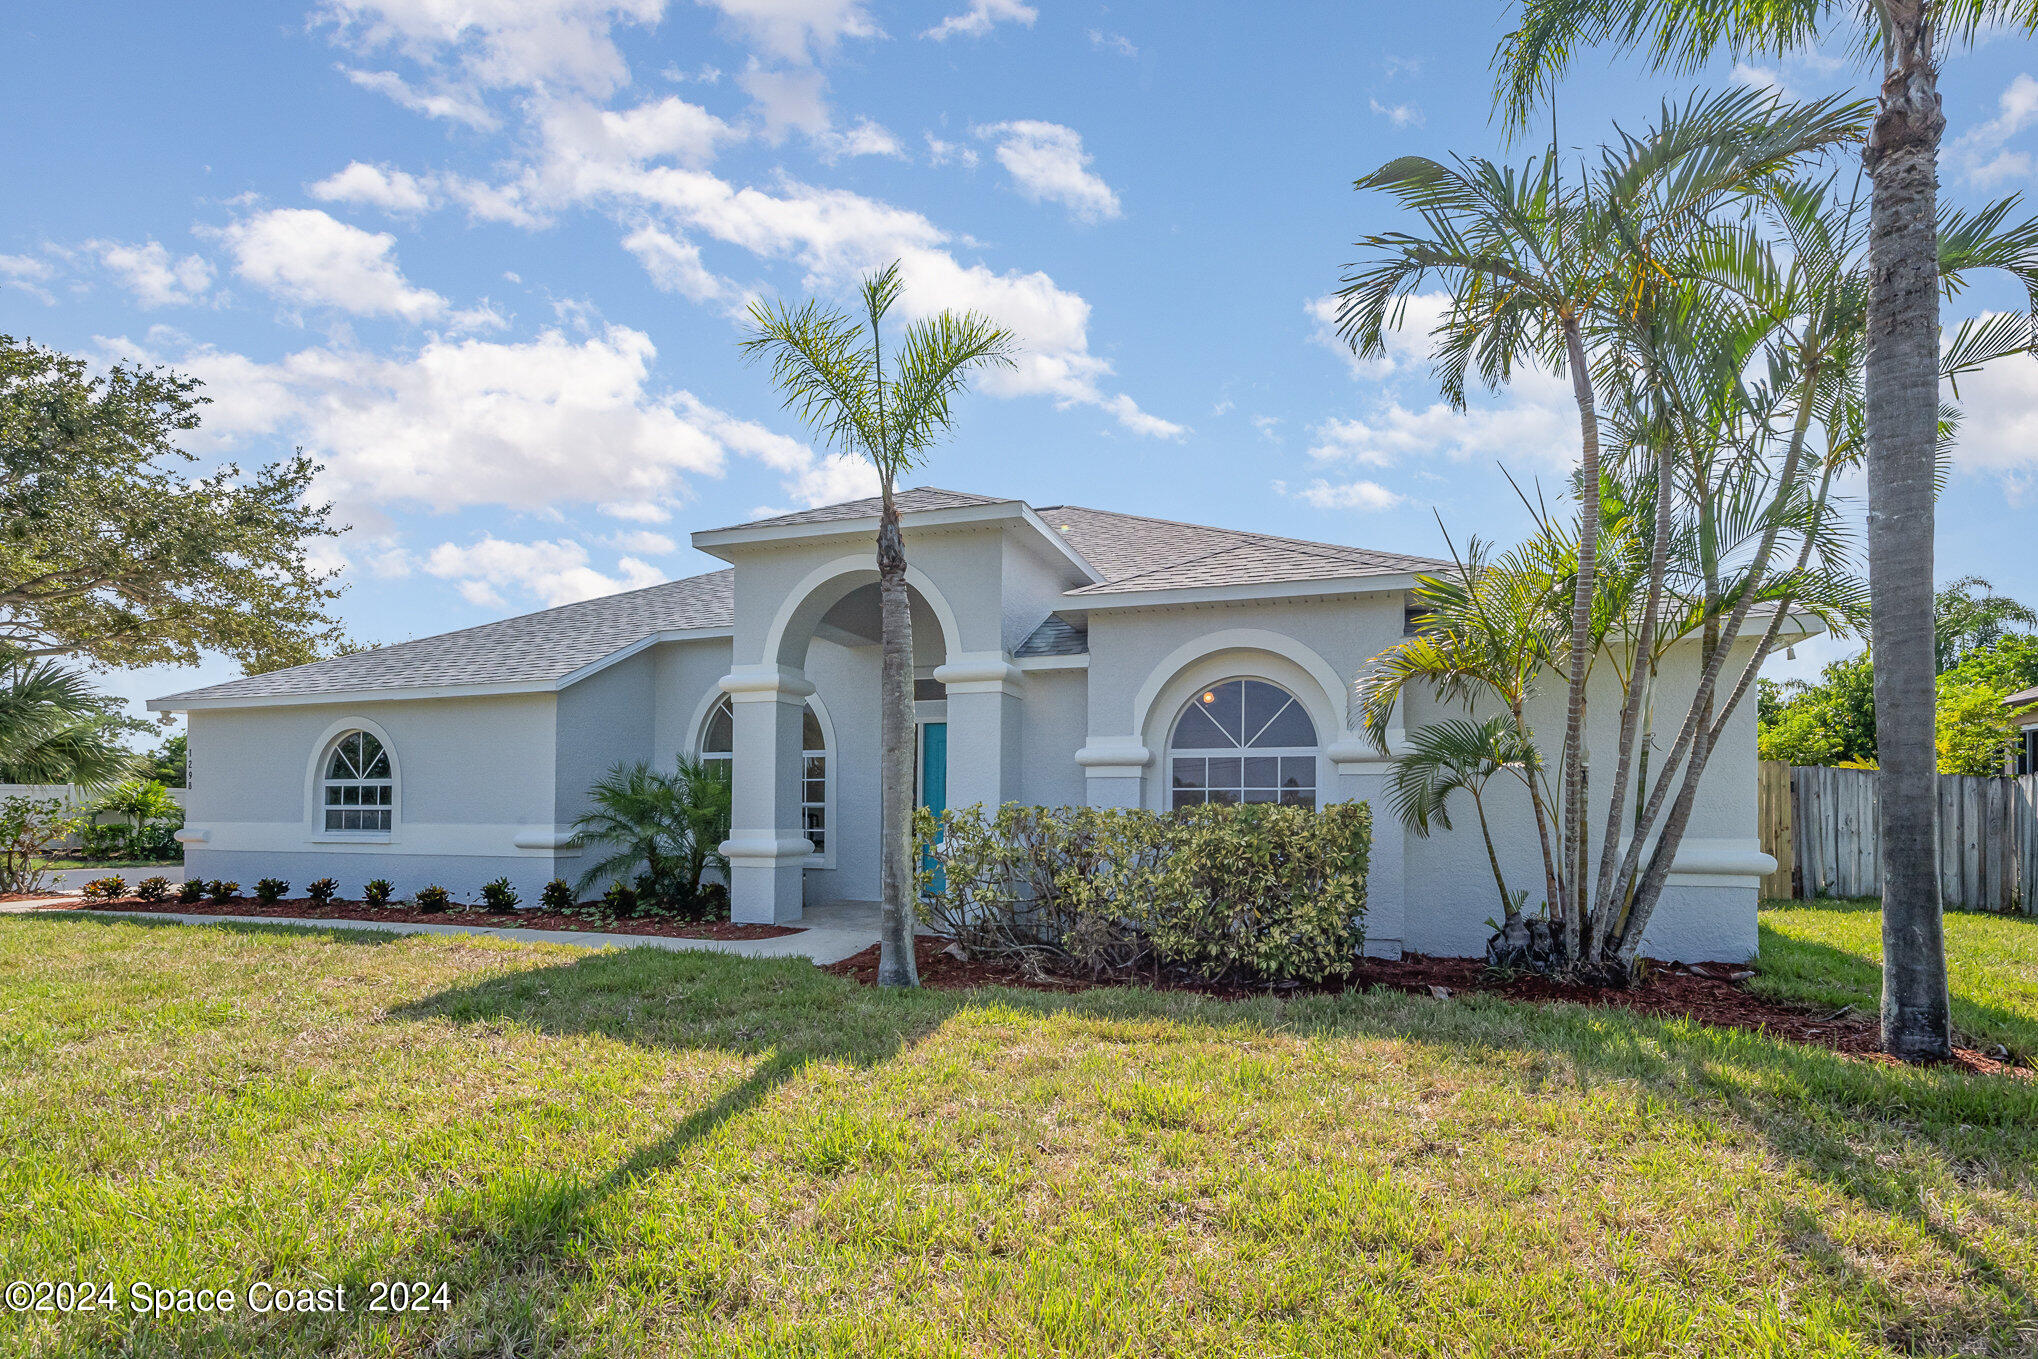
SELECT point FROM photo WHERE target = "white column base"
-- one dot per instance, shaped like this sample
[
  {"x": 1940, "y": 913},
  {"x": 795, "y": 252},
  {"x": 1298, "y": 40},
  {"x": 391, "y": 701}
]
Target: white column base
[{"x": 766, "y": 877}]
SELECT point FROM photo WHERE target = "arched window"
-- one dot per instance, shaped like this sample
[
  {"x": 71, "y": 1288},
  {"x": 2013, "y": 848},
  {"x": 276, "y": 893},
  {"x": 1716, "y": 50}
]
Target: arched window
[
  {"x": 1243, "y": 740},
  {"x": 359, "y": 788},
  {"x": 718, "y": 749}
]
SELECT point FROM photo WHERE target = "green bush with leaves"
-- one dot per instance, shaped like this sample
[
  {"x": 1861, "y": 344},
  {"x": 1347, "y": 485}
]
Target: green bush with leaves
[
  {"x": 321, "y": 891},
  {"x": 29, "y": 829},
  {"x": 433, "y": 898},
  {"x": 269, "y": 891},
  {"x": 109, "y": 888},
  {"x": 153, "y": 889},
  {"x": 223, "y": 890},
  {"x": 377, "y": 892},
  {"x": 658, "y": 831},
  {"x": 152, "y": 819},
  {"x": 621, "y": 899},
  {"x": 191, "y": 891},
  {"x": 1216, "y": 893},
  {"x": 499, "y": 896},
  {"x": 558, "y": 895}
]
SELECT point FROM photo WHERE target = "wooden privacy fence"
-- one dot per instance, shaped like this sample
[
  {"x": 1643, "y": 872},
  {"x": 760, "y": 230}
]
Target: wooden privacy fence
[{"x": 1820, "y": 826}]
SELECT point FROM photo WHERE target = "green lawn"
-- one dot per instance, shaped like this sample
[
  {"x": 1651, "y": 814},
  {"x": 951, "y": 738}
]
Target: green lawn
[
  {"x": 1829, "y": 953},
  {"x": 679, "y": 1154}
]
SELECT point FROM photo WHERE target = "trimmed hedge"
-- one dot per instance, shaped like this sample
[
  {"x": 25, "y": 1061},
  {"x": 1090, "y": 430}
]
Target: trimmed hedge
[{"x": 1254, "y": 892}]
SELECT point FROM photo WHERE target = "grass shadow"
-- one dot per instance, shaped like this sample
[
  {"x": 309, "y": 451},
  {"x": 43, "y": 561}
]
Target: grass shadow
[{"x": 367, "y": 935}]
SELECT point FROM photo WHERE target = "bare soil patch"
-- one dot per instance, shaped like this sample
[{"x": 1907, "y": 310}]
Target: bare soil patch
[
  {"x": 302, "y": 908},
  {"x": 1708, "y": 993}
]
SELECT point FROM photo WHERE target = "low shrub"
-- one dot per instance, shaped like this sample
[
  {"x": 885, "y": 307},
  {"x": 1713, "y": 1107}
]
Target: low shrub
[
  {"x": 104, "y": 889},
  {"x": 30, "y": 830},
  {"x": 103, "y": 842},
  {"x": 153, "y": 889},
  {"x": 1257, "y": 892},
  {"x": 558, "y": 895},
  {"x": 191, "y": 891},
  {"x": 377, "y": 892},
  {"x": 322, "y": 890},
  {"x": 269, "y": 891},
  {"x": 714, "y": 901},
  {"x": 621, "y": 899},
  {"x": 223, "y": 890},
  {"x": 499, "y": 896},
  {"x": 433, "y": 898}
]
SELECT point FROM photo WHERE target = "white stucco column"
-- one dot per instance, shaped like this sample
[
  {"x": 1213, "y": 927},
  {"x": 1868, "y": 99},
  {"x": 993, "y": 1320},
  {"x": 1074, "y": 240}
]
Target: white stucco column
[
  {"x": 1359, "y": 774},
  {"x": 765, "y": 848},
  {"x": 983, "y": 728},
  {"x": 1115, "y": 770}
]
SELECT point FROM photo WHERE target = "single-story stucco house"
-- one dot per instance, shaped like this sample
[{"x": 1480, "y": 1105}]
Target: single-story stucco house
[{"x": 1064, "y": 656}]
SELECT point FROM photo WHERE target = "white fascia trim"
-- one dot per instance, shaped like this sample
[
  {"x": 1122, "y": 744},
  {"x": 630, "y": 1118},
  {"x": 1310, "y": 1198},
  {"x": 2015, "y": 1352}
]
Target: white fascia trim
[
  {"x": 413, "y": 692},
  {"x": 1079, "y": 661},
  {"x": 1250, "y": 592},
  {"x": 1061, "y": 544},
  {"x": 710, "y": 540}
]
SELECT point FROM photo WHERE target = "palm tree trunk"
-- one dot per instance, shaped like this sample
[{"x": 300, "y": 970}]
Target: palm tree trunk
[
  {"x": 1902, "y": 402},
  {"x": 896, "y": 964},
  {"x": 1576, "y": 929}
]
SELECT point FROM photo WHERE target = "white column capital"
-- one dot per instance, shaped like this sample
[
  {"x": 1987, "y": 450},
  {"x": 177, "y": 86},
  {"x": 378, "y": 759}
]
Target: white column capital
[
  {"x": 980, "y": 672},
  {"x": 766, "y": 684},
  {"x": 1109, "y": 757},
  {"x": 1355, "y": 753}
]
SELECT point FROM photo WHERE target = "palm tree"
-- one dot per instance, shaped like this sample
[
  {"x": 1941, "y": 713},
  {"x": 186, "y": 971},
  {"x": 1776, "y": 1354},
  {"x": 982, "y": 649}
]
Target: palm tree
[
  {"x": 55, "y": 728},
  {"x": 662, "y": 831},
  {"x": 1902, "y": 373},
  {"x": 834, "y": 378},
  {"x": 1969, "y": 615},
  {"x": 1543, "y": 273},
  {"x": 1459, "y": 754},
  {"x": 140, "y": 801}
]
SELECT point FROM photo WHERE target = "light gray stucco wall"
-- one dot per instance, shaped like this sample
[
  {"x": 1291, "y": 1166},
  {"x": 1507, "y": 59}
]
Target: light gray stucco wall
[
  {"x": 604, "y": 720},
  {"x": 472, "y": 775},
  {"x": 1053, "y": 723}
]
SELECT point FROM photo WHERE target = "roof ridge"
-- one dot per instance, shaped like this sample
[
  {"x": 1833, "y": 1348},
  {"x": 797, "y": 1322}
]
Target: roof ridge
[{"x": 1216, "y": 528}]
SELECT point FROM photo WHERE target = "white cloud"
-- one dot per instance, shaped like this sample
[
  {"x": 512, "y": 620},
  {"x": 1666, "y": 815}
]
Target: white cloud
[
  {"x": 1048, "y": 164},
  {"x": 309, "y": 256},
  {"x": 981, "y": 17},
  {"x": 1999, "y": 434},
  {"x": 452, "y": 103},
  {"x": 641, "y": 542},
  {"x": 1765, "y": 78},
  {"x": 1347, "y": 495},
  {"x": 555, "y": 572},
  {"x": 668, "y": 129},
  {"x": 1401, "y": 115},
  {"x": 1533, "y": 421},
  {"x": 1980, "y": 152},
  {"x": 501, "y": 43},
  {"x": 674, "y": 264},
  {"x": 155, "y": 279},
  {"x": 796, "y": 101},
  {"x": 532, "y": 425},
  {"x": 798, "y": 30},
  {"x": 376, "y": 186},
  {"x": 941, "y": 152},
  {"x": 24, "y": 266},
  {"x": 1408, "y": 344},
  {"x": 1112, "y": 42}
]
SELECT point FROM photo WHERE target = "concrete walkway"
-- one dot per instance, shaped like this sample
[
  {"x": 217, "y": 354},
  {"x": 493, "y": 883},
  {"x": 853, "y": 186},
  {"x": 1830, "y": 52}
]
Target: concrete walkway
[
  {"x": 63, "y": 880},
  {"x": 829, "y": 932}
]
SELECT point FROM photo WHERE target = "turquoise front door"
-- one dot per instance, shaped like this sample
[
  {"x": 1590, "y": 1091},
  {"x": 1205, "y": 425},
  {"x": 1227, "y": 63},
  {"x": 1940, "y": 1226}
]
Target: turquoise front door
[{"x": 934, "y": 780}]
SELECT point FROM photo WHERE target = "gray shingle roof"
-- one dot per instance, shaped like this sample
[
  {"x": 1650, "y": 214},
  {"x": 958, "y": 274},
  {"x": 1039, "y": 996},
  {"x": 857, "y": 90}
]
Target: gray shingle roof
[
  {"x": 1055, "y": 636},
  {"x": 1133, "y": 552},
  {"x": 918, "y": 498},
  {"x": 533, "y": 649}
]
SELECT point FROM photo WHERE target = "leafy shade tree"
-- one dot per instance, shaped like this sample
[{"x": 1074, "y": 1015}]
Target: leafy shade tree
[
  {"x": 112, "y": 550},
  {"x": 1828, "y": 722},
  {"x": 1973, "y": 732},
  {"x": 831, "y": 366},
  {"x": 661, "y": 831},
  {"x": 56, "y": 728},
  {"x": 1902, "y": 380},
  {"x": 171, "y": 762},
  {"x": 1831, "y": 721}
]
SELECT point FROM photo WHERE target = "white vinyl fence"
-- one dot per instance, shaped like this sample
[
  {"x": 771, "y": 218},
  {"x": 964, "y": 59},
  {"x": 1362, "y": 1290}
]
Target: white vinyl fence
[
  {"x": 72, "y": 796},
  {"x": 1988, "y": 836}
]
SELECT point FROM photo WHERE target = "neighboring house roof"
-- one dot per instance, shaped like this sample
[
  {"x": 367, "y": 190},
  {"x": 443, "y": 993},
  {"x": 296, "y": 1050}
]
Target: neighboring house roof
[
  {"x": 1131, "y": 554},
  {"x": 2023, "y": 698},
  {"x": 1055, "y": 636},
  {"x": 532, "y": 651}
]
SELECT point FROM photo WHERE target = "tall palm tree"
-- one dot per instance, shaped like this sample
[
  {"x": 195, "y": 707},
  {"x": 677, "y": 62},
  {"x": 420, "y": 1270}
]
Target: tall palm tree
[
  {"x": 1902, "y": 385},
  {"x": 54, "y": 728},
  {"x": 833, "y": 376}
]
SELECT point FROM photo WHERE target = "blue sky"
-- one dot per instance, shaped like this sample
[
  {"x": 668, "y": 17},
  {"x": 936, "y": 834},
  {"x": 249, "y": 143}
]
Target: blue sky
[{"x": 485, "y": 258}]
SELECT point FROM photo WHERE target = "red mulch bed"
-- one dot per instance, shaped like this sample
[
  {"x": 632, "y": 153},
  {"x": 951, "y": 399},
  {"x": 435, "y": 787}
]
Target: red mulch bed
[
  {"x": 303, "y": 908},
  {"x": 1709, "y": 993}
]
